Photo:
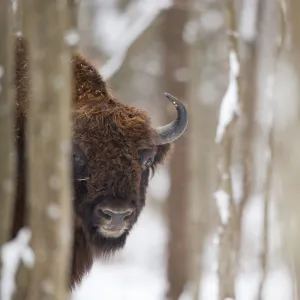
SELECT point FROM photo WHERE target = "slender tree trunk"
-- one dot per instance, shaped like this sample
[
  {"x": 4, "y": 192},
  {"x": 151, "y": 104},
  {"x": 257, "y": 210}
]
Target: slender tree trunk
[
  {"x": 48, "y": 147},
  {"x": 7, "y": 120},
  {"x": 199, "y": 180},
  {"x": 229, "y": 213},
  {"x": 176, "y": 67},
  {"x": 202, "y": 174},
  {"x": 265, "y": 65},
  {"x": 287, "y": 156},
  {"x": 245, "y": 134},
  {"x": 258, "y": 68}
]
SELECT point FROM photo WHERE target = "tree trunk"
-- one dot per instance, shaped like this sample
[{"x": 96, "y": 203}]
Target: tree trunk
[
  {"x": 201, "y": 166},
  {"x": 175, "y": 70},
  {"x": 48, "y": 147},
  {"x": 287, "y": 155},
  {"x": 265, "y": 78},
  {"x": 7, "y": 120},
  {"x": 229, "y": 214}
]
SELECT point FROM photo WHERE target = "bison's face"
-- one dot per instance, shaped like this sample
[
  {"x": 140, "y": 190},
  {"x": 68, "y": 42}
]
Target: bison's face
[{"x": 118, "y": 147}]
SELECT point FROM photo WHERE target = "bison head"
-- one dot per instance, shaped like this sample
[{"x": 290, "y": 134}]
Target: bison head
[{"x": 118, "y": 147}]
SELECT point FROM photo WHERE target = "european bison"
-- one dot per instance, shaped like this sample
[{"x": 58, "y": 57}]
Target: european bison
[{"x": 114, "y": 149}]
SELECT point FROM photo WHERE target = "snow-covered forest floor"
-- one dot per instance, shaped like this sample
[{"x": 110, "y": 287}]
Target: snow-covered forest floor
[{"x": 139, "y": 270}]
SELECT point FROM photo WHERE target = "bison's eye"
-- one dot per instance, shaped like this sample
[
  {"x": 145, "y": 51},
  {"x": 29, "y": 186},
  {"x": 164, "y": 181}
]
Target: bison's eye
[
  {"x": 79, "y": 164},
  {"x": 149, "y": 162},
  {"x": 146, "y": 157}
]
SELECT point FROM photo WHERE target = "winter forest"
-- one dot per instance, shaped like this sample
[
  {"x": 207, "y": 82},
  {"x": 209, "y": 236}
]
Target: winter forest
[{"x": 221, "y": 218}]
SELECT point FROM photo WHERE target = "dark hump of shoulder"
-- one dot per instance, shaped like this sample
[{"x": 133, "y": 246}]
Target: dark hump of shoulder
[
  {"x": 89, "y": 88},
  {"x": 89, "y": 84}
]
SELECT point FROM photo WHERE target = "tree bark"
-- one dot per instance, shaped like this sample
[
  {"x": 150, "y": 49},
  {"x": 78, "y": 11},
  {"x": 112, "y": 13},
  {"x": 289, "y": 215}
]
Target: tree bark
[
  {"x": 201, "y": 166},
  {"x": 175, "y": 72},
  {"x": 287, "y": 155},
  {"x": 48, "y": 147},
  {"x": 229, "y": 225},
  {"x": 7, "y": 121}
]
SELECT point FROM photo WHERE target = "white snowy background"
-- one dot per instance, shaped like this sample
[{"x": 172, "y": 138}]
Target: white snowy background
[{"x": 139, "y": 270}]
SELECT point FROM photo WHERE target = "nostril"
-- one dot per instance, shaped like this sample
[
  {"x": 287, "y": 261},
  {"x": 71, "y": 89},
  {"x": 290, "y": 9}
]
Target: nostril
[
  {"x": 108, "y": 212},
  {"x": 128, "y": 213},
  {"x": 104, "y": 214}
]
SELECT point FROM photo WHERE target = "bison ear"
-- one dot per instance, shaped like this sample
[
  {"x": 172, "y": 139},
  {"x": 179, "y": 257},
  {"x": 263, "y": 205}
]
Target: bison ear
[{"x": 80, "y": 163}]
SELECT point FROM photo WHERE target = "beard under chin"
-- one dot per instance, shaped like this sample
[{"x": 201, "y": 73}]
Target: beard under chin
[{"x": 105, "y": 246}]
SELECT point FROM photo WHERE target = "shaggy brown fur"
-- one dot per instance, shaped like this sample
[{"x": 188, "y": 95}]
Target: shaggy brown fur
[{"x": 116, "y": 140}]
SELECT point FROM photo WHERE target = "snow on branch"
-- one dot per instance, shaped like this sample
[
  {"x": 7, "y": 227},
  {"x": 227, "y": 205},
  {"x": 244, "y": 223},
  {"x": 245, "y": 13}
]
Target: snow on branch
[
  {"x": 12, "y": 254},
  {"x": 223, "y": 203},
  {"x": 229, "y": 106},
  {"x": 144, "y": 13}
]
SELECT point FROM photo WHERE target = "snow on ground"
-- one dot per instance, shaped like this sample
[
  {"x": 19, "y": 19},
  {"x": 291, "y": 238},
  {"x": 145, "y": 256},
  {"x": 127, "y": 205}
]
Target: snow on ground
[
  {"x": 278, "y": 286},
  {"x": 135, "y": 273},
  {"x": 138, "y": 271}
]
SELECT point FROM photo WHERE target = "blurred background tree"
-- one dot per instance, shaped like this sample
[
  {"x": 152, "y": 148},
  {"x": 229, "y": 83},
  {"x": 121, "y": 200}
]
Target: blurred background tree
[
  {"x": 7, "y": 114},
  {"x": 175, "y": 78}
]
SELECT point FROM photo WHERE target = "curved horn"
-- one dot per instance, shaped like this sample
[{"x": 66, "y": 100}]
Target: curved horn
[{"x": 172, "y": 131}]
